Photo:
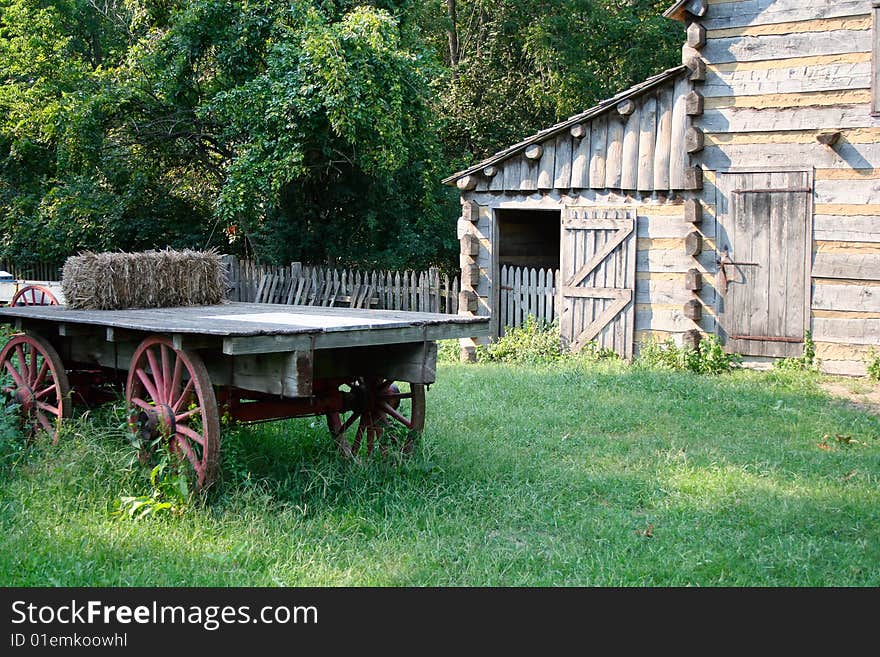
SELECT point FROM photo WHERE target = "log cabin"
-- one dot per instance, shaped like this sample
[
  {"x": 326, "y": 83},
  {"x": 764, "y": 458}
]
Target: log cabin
[{"x": 737, "y": 194}]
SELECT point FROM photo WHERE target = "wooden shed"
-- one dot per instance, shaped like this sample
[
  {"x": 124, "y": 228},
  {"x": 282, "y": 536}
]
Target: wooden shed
[{"x": 737, "y": 194}]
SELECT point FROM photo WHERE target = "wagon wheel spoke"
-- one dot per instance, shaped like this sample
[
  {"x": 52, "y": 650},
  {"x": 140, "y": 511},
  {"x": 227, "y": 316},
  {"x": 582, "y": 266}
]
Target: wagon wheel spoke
[
  {"x": 148, "y": 384},
  {"x": 166, "y": 370},
  {"x": 45, "y": 391},
  {"x": 158, "y": 384},
  {"x": 349, "y": 422},
  {"x": 183, "y": 396},
  {"x": 192, "y": 435},
  {"x": 359, "y": 434},
  {"x": 188, "y": 414},
  {"x": 32, "y": 368},
  {"x": 41, "y": 375},
  {"x": 176, "y": 378},
  {"x": 157, "y": 401},
  {"x": 14, "y": 373},
  {"x": 44, "y": 421},
  {"x": 183, "y": 444},
  {"x": 48, "y": 408},
  {"x": 390, "y": 410}
]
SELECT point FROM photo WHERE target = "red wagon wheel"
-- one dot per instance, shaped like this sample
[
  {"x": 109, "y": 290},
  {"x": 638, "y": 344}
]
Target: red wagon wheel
[
  {"x": 382, "y": 416},
  {"x": 37, "y": 382},
  {"x": 169, "y": 395},
  {"x": 34, "y": 295}
]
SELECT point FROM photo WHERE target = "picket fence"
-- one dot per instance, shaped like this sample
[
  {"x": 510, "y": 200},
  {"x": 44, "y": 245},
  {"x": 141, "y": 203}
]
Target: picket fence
[
  {"x": 425, "y": 291},
  {"x": 526, "y": 292},
  {"x": 35, "y": 272}
]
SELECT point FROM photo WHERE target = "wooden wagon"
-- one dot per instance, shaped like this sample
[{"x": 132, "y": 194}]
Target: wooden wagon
[{"x": 183, "y": 368}]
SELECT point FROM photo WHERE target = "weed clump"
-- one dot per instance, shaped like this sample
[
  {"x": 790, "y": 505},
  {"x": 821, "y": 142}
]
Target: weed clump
[{"x": 708, "y": 358}]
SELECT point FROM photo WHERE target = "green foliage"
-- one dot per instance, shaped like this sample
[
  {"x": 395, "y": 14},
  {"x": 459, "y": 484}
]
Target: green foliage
[
  {"x": 448, "y": 351},
  {"x": 806, "y": 362},
  {"x": 535, "y": 342},
  {"x": 874, "y": 365},
  {"x": 533, "y": 63},
  {"x": 708, "y": 358},
  {"x": 170, "y": 491},
  {"x": 305, "y": 130}
]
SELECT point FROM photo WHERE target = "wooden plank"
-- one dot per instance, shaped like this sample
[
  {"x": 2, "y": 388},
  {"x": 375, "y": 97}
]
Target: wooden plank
[
  {"x": 529, "y": 169},
  {"x": 662, "y": 149},
  {"x": 768, "y": 47},
  {"x": 547, "y": 165},
  {"x": 629, "y": 177},
  {"x": 741, "y": 13},
  {"x": 720, "y": 157},
  {"x": 614, "y": 157},
  {"x": 860, "y": 297},
  {"x": 787, "y": 80},
  {"x": 596, "y": 292},
  {"x": 580, "y": 166},
  {"x": 512, "y": 176},
  {"x": 563, "y": 164},
  {"x": 678, "y": 159},
  {"x": 747, "y": 119},
  {"x": 846, "y": 265},
  {"x": 598, "y": 151},
  {"x": 856, "y": 192},
  {"x": 847, "y": 331},
  {"x": 647, "y": 137}
]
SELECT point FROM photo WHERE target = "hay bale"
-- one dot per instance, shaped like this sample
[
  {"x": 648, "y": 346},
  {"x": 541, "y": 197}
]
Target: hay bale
[{"x": 150, "y": 279}]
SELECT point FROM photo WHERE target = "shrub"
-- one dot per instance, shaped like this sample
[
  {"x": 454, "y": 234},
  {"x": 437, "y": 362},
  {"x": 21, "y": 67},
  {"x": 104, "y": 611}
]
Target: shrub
[
  {"x": 448, "y": 351},
  {"x": 708, "y": 358},
  {"x": 807, "y": 362},
  {"x": 537, "y": 342},
  {"x": 874, "y": 365},
  {"x": 170, "y": 491},
  {"x": 534, "y": 342}
]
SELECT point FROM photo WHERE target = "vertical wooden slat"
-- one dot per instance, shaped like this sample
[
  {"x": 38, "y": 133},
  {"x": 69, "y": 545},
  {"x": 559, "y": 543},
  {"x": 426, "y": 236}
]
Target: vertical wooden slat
[
  {"x": 613, "y": 161},
  {"x": 679, "y": 158},
  {"x": 629, "y": 175},
  {"x": 580, "y": 164},
  {"x": 664, "y": 139},
  {"x": 547, "y": 165},
  {"x": 599, "y": 131},
  {"x": 562, "y": 168}
]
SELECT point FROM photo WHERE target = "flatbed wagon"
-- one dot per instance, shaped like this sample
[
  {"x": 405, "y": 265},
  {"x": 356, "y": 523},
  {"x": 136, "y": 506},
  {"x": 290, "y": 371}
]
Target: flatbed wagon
[{"x": 184, "y": 368}]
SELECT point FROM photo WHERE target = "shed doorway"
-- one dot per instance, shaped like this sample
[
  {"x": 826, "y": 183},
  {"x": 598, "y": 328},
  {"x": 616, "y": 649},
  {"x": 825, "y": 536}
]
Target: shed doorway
[
  {"x": 528, "y": 262},
  {"x": 528, "y": 238}
]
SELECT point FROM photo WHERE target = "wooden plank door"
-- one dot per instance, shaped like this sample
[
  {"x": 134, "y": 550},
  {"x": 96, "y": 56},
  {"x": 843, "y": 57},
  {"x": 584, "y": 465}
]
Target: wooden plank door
[
  {"x": 763, "y": 250},
  {"x": 597, "y": 279}
]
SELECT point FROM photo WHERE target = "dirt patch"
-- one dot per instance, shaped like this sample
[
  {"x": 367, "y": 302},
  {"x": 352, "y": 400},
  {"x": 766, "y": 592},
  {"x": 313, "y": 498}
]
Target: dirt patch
[{"x": 863, "y": 395}]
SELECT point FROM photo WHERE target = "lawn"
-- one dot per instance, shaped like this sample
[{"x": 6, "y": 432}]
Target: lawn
[{"x": 579, "y": 474}]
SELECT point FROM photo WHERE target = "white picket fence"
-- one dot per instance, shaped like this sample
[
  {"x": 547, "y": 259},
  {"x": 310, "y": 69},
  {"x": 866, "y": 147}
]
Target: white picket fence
[
  {"x": 425, "y": 291},
  {"x": 526, "y": 292}
]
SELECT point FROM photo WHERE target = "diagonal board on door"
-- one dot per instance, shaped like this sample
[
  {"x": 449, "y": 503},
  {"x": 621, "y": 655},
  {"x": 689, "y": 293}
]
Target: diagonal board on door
[{"x": 598, "y": 274}]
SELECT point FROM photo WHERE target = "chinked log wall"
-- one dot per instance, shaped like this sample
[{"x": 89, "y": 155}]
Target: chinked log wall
[{"x": 789, "y": 83}]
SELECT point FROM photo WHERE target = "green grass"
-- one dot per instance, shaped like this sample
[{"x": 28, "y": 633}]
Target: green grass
[{"x": 526, "y": 476}]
